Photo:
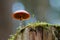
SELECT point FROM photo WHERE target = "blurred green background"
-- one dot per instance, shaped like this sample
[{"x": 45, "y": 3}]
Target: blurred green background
[{"x": 42, "y": 10}]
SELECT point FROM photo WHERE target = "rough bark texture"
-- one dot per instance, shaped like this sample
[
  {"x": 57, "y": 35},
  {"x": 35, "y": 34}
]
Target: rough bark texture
[{"x": 38, "y": 32}]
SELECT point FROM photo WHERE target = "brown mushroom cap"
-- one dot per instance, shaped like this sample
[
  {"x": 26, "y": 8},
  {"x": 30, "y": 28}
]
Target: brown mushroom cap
[{"x": 21, "y": 15}]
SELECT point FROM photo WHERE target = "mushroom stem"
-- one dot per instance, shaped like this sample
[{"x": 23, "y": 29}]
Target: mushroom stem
[{"x": 21, "y": 24}]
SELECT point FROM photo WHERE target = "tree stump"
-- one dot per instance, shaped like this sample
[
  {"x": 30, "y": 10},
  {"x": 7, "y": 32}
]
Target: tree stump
[{"x": 37, "y": 31}]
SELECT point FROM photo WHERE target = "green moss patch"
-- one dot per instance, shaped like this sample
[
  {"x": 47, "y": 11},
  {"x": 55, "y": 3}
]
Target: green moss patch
[{"x": 33, "y": 26}]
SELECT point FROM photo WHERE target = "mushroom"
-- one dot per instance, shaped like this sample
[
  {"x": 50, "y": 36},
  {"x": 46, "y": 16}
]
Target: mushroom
[{"x": 21, "y": 15}]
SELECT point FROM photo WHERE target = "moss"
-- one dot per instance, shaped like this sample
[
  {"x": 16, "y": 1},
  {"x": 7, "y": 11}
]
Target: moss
[
  {"x": 33, "y": 26},
  {"x": 12, "y": 37}
]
